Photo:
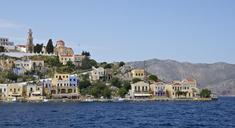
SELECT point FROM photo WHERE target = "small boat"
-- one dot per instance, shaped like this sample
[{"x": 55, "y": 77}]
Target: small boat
[
  {"x": 14, "y": 99},
  {"x": 45, "y": 100}
]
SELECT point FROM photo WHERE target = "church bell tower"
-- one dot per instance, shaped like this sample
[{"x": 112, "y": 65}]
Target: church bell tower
[{"x": 29, "y": 45}]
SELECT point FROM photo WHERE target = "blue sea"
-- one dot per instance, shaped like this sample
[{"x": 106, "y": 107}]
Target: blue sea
[{"x": 170, "y": 114}]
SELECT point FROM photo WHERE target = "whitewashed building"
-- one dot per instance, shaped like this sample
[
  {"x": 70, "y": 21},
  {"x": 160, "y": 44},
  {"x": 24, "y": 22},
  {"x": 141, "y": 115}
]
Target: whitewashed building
[{"x": 140, "y": 90}]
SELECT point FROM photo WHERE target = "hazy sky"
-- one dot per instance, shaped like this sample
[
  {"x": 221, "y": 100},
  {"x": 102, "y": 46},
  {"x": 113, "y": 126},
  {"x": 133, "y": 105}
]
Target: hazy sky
[{"x": 197, "y": 31}]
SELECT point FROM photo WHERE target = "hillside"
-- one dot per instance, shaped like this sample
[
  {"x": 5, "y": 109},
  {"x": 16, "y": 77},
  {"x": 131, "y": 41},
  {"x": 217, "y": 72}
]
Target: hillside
[{"x": 220, "y": 77}]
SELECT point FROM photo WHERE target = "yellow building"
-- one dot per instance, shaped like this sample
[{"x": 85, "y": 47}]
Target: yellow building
[
  {"x": 6, "y": 64},
  {"x": 138, "y": 73},
  {"x": 16, "y": 91},
  {"x": 64, "y": 86}
]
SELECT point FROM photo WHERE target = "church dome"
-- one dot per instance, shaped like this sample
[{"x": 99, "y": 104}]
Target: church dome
[{"x": 60, "y": 43}]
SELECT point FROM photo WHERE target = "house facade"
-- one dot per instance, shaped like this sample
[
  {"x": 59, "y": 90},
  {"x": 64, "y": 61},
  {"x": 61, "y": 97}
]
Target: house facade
[
  {"x": 140, "y": 90},
  {"x": 21, "y": 66},
  {"x": 65, "y": 86},
  {"x": 34, "y": 91},
  {"x": 161, "y": 90},
  {"x": 138, "y": 73},
  {"x": 3, "y": 91},
  {"x": 97, "y": 74},
  {"x": 186, "y": 88},
  {"x": 16, "y": 91}
]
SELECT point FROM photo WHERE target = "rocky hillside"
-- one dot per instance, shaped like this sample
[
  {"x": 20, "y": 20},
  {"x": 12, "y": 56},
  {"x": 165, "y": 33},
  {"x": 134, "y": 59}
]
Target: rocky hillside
[{"x": 220, "y": 77}]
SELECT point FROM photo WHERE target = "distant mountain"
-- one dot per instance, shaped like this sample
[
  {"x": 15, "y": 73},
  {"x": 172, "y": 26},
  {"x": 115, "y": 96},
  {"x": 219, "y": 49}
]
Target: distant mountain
[{"x": 220, "y": 77}]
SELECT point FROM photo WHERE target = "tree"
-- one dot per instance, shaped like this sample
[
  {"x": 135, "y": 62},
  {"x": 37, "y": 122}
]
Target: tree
[
  {"x": 126, "y": 85},
  {"x": 121, "y": 64},
  {"x": 53, "y": 61},
  {"x": 86, "y": 64},
  {"x": 135, "y": 80},
  {"x": 107, "y": 66},
  {"x": 2, "y": 49},
  {"x": 153, "y": 78},
  {"x": 38, "y": 48},
  {"x": 50, "y": 47},
  {"x": 93, "y": 63},
  {"x": 205, "y": 93},
  {"x": 84, "y": 84},
  {"x": 70, "y": 64},
  {"x": 85, "y": 53},
  {"x": 100, "y": 89},
  {"x": 11, "y": 76},
  {"x": 116, "y": 82}
]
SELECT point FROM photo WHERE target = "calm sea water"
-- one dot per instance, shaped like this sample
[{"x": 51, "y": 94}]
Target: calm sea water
[{"x": 213, "y": 114}]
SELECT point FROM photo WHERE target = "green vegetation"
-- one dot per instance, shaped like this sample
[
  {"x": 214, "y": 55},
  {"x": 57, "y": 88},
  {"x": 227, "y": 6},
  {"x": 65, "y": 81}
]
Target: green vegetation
[
  {"x": 99, "y": 90},
  {"x": 86, "y": 63},
  {"x": 11, "y": 76},
  {"x": 116, "y": 82},
  {"x": 121, "y": 64},
  {"x": 49, "y": 47},
  {"x": 205, "y": 93},
  {"x": 126, "y": 86},
  {"x": 85, "y": 53},
  {"x": 135, "y": 80},
  {"x": 38, "y": 48},
  {"x": 153, "y": 78}
]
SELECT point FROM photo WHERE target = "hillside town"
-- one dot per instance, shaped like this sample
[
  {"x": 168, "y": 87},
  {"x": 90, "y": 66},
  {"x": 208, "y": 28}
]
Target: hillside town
[{"x": 37, "y": 72}]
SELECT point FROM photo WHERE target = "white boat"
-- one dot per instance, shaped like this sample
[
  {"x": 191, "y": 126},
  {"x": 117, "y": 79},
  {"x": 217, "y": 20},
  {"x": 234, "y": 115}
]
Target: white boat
[
  {"x": 45, "y": 100},
  {"x": 14, "y": 99}
]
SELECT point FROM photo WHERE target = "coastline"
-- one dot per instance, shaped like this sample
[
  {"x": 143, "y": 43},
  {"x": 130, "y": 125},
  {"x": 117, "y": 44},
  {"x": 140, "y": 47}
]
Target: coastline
[{"x": 111, "y": 100}]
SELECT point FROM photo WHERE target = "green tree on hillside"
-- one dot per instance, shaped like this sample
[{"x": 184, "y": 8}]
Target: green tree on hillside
[
  {"x": 153, "y": 78},
  {"x": 205, "y": 93},
  {"x": 116, "y": 82},
  {"x": 86, "y": 64},
  {"x": 85, "y": 53},
  {"x": 38, "y": 48},
  {"x": 50, "y": 47},
  {"x": 121, "y": 64},
  {"x": 135, "y": 80}
]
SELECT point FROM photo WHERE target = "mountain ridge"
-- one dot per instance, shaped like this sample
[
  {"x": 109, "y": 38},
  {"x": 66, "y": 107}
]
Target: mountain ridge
[{"x": 219, "y": 76}]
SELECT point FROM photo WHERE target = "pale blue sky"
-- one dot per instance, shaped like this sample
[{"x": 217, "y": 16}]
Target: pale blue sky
[{"x": 196, "y": 31}]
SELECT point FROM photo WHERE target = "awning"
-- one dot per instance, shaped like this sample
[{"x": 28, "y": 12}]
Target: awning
[
  {"x": 142, "y": 94},
  {"x": 36, "y": 93}
]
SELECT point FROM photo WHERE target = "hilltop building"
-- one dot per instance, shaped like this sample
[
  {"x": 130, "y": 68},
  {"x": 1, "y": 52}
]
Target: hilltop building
[
  {"x": 61, "y": 49},
  {"x": 30, "y": 45},
  {"x": 138, "y": 73},
  {"x": 21, "y": 66},
  {"x": 9, "y": 46},
  {"x": 97, "y": 74}
]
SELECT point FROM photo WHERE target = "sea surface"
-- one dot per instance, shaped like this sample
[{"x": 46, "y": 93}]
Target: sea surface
[{"x": 167, "y": 114}]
